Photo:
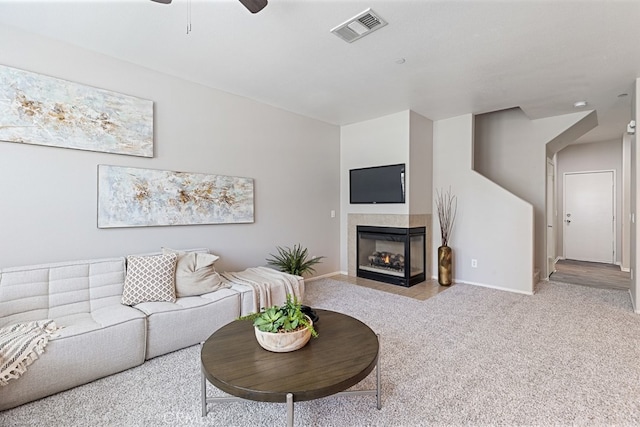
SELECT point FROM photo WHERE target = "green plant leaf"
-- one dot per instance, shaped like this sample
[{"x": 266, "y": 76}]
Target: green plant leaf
[
  {"x": 287, "y": 317},
  {"x": 293, "y": 260}
]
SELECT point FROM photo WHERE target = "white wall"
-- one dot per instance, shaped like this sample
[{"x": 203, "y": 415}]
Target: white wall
[
  {"x": 606, "y": 155},
  {"x": 626, "y": 202},
  {"x": 420, "y": 164},
  {"x": 404, "y": 137},
  {"x": 635, "y": 187},
  {"x": 49, "y": 195},
  {"x": 381, "y": 141},
  {"x": 492, "y": 226},
  {"x": 511, "y": 150},
  {"x": 376, "y": 142}
]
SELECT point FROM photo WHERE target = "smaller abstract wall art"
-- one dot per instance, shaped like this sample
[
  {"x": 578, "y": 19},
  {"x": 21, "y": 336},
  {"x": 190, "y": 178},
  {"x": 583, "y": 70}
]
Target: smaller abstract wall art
[
  {"x": 133, "y": 197},
  {"x": 43, "y": 110}
]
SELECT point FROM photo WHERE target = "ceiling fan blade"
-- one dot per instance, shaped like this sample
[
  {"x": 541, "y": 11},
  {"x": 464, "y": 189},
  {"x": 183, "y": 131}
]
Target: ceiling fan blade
[{"x": 254, "y": 6}]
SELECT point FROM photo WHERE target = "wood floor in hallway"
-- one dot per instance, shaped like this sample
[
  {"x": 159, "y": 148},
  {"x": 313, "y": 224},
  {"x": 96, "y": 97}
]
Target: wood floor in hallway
[{"x": 591, "y": 274}]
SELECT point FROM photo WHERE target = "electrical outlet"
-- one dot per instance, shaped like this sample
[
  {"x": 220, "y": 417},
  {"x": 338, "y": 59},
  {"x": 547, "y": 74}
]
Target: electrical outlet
[
  {"x": 333, "y": 213},
  {"x": 474, "y": 263}
]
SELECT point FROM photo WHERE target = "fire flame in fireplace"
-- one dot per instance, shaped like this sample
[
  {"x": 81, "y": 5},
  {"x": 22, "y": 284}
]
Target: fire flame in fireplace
[{"x": 387, "y": 260}]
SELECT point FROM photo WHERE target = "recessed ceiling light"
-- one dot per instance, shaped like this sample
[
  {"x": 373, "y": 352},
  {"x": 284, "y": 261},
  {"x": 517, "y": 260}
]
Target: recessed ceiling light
[
  {"x": 622, "y": 95},
  {"x": 401, "y": 61},
  {"x": 580, "y": 104}
]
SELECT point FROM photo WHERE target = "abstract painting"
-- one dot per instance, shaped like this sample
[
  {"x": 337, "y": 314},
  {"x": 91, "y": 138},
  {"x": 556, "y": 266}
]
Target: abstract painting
[
  {"x": 42, "y": 110},
  {"x": 133, "y": 197}
]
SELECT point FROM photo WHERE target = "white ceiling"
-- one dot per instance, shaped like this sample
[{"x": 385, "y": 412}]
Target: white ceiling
[{"x": 460, "y": 56}]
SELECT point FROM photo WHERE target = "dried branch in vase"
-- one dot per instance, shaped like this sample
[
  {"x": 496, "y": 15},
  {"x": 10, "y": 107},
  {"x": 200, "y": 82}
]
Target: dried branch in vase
[{"x": 447, "y": 205}]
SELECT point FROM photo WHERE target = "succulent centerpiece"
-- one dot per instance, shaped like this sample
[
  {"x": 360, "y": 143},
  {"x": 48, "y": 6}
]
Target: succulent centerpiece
[{"x": 282, "y": 328}]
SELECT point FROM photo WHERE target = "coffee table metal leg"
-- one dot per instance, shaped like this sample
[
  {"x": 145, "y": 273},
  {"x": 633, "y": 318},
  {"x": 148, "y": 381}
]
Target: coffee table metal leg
[
  {"x": 203, "y": 388},
  {"x": 378, "y": 400},
  {"x": 289, "y": 410},
  {"x": 203, "y": 392}
]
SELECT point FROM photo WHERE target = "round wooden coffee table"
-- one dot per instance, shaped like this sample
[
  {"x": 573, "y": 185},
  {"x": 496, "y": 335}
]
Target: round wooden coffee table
[{"x": 344, "y": 353}]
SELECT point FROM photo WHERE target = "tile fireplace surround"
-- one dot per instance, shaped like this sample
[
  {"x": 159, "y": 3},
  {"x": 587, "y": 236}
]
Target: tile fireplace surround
[{"x": 385, "y": 220}]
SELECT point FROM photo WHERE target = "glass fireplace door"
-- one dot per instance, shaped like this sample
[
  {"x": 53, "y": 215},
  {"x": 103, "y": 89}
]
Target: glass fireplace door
[{"x": 390, "y": 254}]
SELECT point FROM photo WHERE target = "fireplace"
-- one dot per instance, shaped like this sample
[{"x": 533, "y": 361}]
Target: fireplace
[{"x": 391, "y": 254}]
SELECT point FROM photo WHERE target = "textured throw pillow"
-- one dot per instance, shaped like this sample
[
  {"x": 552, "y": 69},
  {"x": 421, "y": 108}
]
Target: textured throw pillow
[
  {"x": 195, "y": 273},
  {"x": 150, "y": 278}
]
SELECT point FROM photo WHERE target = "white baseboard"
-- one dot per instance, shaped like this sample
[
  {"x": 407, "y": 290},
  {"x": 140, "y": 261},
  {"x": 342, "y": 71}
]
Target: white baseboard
[
  {"x": 626, "y": 270},
  {"x": 633, "y": 303},
  {"x": 483, "y": 285},
  {"x": 499, "y": 288},
  {"x": 322, "y": 276}
]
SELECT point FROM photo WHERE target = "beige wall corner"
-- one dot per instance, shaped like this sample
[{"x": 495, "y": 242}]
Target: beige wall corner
[
  {"x": 493, "y": 226},
  {"x": 511, "y": 150}
]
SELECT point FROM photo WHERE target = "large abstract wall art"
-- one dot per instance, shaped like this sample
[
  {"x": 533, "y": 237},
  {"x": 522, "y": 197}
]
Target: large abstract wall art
[
  {"x": 42, "y": 110},
  {"x": 133, "y": 197}
]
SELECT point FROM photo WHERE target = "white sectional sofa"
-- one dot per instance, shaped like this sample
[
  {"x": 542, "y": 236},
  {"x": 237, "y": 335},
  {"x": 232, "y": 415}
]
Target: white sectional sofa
[{"x": 99, "y": 335}]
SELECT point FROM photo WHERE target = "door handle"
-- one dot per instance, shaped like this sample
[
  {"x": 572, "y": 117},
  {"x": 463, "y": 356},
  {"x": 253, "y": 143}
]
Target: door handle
[{"x": 568, "y": 221}]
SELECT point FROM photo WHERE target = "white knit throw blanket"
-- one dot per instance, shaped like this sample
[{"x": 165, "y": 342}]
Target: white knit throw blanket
[
  {"x": 261, "y": 279},
  {"x": 20, "y": 345}
]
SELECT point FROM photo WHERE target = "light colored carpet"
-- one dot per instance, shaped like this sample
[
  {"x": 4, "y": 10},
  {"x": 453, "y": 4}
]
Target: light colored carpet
[{"x": 568, "y": 355}]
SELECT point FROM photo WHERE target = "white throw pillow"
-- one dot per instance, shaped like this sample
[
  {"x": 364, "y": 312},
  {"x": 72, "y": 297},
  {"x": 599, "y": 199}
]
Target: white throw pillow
[
  {"x": 150, "y": 278},
  {"x": 195, "y": 273}
]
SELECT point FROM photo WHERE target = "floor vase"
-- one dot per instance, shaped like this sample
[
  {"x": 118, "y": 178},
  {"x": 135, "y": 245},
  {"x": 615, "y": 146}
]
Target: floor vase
[{"x": 444, "y": 266}]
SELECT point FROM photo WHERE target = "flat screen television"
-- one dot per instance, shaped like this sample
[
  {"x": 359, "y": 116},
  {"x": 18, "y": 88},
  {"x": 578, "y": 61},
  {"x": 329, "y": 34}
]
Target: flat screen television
[{"x": 379, "y": 184}]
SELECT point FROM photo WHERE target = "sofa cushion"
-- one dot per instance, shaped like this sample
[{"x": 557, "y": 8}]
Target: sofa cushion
[
  {"x": 195, "y": 273},
  {"x": 150, "y": 278},
  {"x": 188, "y": 321},
  {"x": 51, "y": 291},
  {"x": 82, "y": 323},
  {"x": 82, "y": 352}
]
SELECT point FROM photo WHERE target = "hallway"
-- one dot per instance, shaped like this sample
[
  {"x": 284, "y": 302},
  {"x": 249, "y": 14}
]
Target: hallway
[{"x": 591, "y": 274}]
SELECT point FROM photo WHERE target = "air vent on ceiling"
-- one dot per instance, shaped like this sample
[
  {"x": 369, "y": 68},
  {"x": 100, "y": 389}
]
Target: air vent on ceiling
[{"x": 359, "y": 26}]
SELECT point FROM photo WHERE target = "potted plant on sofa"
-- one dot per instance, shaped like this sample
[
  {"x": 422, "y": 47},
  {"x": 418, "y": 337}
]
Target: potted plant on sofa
[
  {"x": 282, "y": 328},
  {"x": 294, "y": 260}
]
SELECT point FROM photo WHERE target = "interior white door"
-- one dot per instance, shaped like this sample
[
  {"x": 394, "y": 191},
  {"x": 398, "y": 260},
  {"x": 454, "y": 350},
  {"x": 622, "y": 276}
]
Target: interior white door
[
  {"x": 551, "y": 218},
  {"x": 588, "y": 219}
]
